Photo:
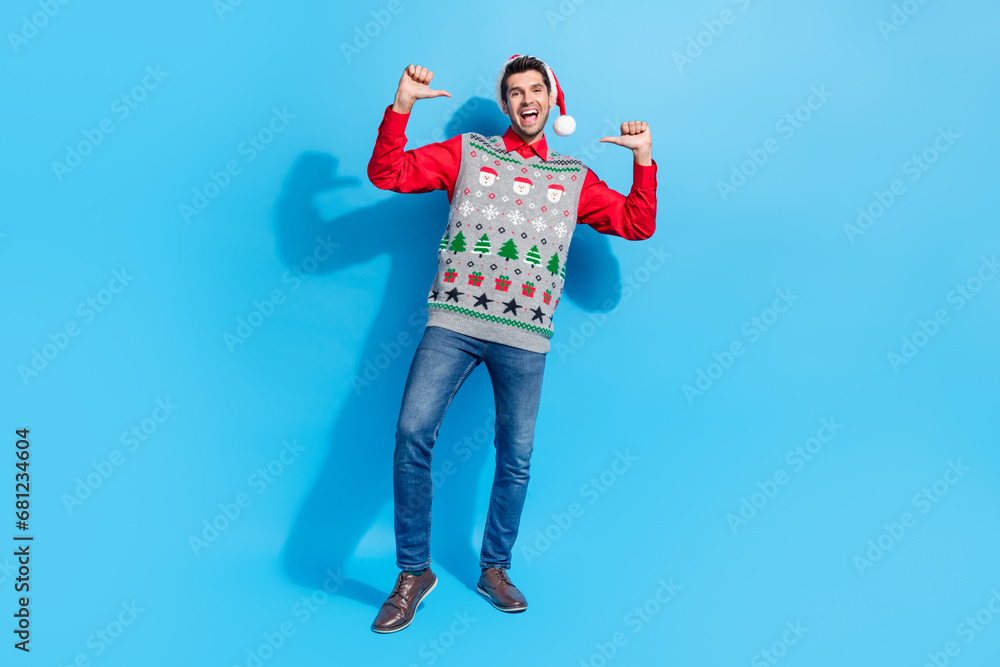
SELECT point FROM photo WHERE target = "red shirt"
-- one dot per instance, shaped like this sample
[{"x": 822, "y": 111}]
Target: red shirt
[{"x": 435, "y": 167}]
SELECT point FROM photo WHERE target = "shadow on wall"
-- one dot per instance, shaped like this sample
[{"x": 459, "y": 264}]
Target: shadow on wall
[{"x": 355, "y": 482}]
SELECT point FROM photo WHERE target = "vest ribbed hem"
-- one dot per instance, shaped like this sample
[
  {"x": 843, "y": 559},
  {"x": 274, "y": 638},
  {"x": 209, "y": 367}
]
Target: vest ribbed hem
[{"x": 495, "y": 332}]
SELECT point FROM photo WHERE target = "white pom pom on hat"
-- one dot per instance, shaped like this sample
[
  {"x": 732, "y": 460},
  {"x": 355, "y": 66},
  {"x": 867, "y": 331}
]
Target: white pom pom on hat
[{"x": 565, "y": 124}]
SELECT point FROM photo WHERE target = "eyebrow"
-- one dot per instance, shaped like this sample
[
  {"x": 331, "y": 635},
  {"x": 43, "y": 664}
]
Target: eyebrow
[{"x": 534, "y": 85}]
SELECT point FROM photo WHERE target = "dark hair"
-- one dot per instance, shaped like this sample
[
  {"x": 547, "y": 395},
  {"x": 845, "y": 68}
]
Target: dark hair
[{"x": 524, "y": 64}]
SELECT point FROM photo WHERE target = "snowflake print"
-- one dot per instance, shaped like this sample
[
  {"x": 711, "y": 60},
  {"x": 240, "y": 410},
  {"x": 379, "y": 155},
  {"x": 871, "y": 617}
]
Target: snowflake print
[
  {"x": 466, "y": 208},
  {"x": 539, "y": 225},
  {"x": 560, "y": 229},
  {"x": 490, "y": 212},
  {"x": 515, "y": 217}
]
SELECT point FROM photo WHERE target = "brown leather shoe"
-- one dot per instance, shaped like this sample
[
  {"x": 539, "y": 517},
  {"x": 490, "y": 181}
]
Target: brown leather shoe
[
  {"x": 398, "y": 610},
  {"x": 498, "y": 589}
]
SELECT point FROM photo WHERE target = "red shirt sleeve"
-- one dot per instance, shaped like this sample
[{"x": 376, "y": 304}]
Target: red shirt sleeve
[
  {"x": 609, "y": 212},
  {"x": 430, "y": 167}
]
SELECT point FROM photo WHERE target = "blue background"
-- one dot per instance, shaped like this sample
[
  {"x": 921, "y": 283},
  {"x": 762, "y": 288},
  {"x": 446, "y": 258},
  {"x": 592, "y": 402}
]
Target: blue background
[{"x": 615, "y": 380}]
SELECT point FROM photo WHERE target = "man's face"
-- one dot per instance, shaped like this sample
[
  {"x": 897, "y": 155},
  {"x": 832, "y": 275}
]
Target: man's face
[{"x": 526, "y": 93}]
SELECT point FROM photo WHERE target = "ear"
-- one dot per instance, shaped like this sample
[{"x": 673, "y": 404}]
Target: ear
[{"x": 552, "y": 100}]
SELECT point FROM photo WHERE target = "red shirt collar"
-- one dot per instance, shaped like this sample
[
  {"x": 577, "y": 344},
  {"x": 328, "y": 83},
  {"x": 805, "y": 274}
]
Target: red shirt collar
[{"x": 516, "y": 143}]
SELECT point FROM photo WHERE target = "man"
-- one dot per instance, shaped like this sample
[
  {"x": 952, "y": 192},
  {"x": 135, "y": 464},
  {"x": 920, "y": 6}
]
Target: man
[{"x": 501, "y": 267}]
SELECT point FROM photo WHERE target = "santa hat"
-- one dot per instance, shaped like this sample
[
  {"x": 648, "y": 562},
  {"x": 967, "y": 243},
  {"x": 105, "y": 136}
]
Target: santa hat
[{"x": 564, "y": 124}]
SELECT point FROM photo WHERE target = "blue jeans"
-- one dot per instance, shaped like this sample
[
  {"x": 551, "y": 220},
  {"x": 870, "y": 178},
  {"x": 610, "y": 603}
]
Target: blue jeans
[{"x": 441, "y": 362}]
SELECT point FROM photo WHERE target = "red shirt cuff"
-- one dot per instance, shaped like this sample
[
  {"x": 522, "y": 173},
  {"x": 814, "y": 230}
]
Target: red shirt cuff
[
  {"x": 643, "y": 176},
  {"x": 394, "y": 122}
]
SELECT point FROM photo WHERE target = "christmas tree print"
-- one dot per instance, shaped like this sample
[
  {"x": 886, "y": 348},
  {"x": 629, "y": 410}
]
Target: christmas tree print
[
  {"x": 458, "y": 245},
  {"x": 482, "y": 246},
  {"x": 533, "y": 257},
  {"x": 553, "y": 265},
  {"x": 444, "y": 242},
  {"x": 508, "y": 251}
]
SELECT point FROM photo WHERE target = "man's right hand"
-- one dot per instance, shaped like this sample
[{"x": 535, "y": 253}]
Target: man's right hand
[{"x": 413, "y": 87}]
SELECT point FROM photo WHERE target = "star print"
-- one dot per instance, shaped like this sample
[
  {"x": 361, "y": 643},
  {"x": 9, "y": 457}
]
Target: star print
[
  {"x": 511, "y": 307},
  {"x": 434, "y": 294},
  {"x": 482, "y": 301},
  {"x": 539, "y": 315},
  {"x": 453, "y": 294}
]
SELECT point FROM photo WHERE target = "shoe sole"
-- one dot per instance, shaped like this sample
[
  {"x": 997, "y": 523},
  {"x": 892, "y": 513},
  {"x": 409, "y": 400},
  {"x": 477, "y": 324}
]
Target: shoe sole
[
  {"x": 385, "y": 631},
  {"x": 510, "y": 610}
]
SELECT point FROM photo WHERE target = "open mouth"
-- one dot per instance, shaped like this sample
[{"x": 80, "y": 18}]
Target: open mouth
[{"x": 529, "y": 116}]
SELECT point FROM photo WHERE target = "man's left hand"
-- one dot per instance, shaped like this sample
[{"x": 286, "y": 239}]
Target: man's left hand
[{"x": 635, "y": 135}]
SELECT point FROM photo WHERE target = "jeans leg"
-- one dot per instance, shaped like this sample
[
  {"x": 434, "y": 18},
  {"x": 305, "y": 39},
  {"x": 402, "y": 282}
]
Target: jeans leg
[
  {"x": 517, "y": 388},
  {"x": 441, "y": 362}
]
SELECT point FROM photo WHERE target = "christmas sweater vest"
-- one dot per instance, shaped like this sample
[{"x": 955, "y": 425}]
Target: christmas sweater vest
[{"x": 502, "y": 260}]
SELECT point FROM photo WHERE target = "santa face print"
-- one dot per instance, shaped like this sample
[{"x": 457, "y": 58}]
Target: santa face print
[
  {"x": 521, "y": 186},
  {"x": 487, "y": 176},
  {"x": 555, "y": 192}
]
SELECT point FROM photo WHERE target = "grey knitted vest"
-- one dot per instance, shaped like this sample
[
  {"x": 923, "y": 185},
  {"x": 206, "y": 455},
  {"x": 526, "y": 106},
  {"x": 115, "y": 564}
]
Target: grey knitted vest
[{"x": 502, "y": 260}]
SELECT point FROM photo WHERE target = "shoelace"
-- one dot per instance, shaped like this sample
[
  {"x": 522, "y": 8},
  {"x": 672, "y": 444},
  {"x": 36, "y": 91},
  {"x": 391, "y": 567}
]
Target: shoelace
[
  {"x": 398, "y": 589},
  {"x": 502, "y": 574}
]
